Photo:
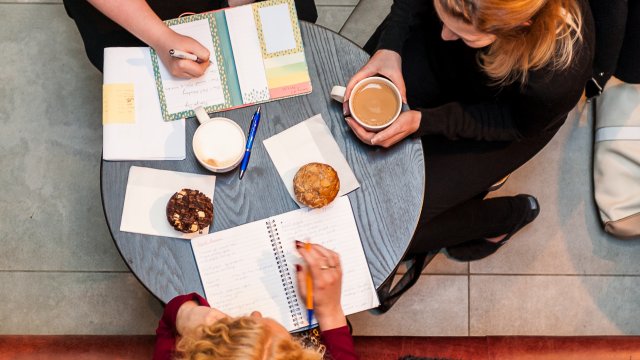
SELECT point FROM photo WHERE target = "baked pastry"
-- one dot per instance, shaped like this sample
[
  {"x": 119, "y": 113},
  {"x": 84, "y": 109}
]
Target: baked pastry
[
  {"x": 189, "y": 211},
  {"x": 316, "y": 185}
]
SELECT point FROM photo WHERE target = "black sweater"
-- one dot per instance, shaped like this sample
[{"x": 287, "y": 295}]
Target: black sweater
[{"x": 506, "y": 113}]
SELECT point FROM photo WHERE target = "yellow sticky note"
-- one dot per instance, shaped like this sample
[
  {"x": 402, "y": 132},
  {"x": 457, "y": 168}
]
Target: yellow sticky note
[{"x": 118, "y": 104}]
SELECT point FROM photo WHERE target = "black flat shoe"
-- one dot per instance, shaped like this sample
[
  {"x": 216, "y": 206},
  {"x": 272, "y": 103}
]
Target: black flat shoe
[{"x": 481, "y": 248}]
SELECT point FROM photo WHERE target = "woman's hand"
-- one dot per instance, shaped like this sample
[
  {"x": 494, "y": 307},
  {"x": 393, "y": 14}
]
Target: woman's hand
[
  {"x": 406, "y": 124},
  {"x": 182, "y": 68},
  {"x": 384, "y": 62},
  {"x": 191, "y": 316},
  {"x": 326, "y": 274}
]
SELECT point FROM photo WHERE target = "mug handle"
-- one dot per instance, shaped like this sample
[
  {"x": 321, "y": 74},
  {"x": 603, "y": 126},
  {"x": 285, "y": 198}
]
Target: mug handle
[
  {"x": 202, "y": 115},
  {"x": 337, "y": 93}
]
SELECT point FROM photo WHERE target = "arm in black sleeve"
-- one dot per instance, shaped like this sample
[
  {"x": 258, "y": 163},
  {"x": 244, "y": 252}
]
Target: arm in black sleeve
[
  {"x": 516, "y": 112},
  {"x": 396, "y": 26}
]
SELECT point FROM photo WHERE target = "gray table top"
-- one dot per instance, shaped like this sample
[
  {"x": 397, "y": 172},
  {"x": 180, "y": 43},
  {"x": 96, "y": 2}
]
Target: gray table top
[{"x": 386, "y": 206}]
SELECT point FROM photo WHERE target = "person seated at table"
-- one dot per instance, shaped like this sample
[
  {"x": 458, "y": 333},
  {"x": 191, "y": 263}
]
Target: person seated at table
[
  {"x": 190, "y": 329},
  {"x": 112, "y": 23},
  {"x": 490, "y": 83}
]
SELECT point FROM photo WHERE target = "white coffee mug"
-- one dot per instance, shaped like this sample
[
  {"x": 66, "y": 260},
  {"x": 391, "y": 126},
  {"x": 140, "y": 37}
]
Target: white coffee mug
[
  {"x": 338, "y": 92},
  {"x": 218, "y": 143}
]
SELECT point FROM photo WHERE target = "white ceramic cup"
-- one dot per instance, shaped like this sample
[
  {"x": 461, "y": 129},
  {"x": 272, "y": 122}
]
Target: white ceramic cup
[
  {"x": 218, "y": 143},
  {"x": 338, "y": 92}
]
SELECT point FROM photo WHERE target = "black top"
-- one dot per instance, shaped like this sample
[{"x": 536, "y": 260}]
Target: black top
[{"x": 502, "y": 113}]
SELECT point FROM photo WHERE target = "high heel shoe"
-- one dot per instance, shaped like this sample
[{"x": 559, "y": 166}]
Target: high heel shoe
[{"x": 480, "y": 248}]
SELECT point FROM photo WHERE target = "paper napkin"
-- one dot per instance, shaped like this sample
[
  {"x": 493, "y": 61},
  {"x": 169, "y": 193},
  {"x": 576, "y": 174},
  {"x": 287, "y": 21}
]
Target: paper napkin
[
  {"x": 149, "y": 190},
  {"x": 309, "y": 141}
]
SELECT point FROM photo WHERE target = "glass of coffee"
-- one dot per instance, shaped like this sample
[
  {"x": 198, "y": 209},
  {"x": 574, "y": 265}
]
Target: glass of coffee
[{"x": 375, "y": 102}]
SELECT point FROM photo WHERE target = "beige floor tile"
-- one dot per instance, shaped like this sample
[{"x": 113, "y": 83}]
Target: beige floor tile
[
  {"x": 554, "y": 305},
  {"x": 51, "y": 216},
  {"x": 336, "y": 2},
  {"x": 566, "y": 238},
  {"x": 333, "y": 17},
  {"x": 435, "y": 306},
  {"x": 54, "y": 303}
]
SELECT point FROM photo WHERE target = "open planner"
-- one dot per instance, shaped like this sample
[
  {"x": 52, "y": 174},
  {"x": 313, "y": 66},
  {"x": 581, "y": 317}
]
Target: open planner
[
  {"x": 256, "y": 56},
  {"x": 252, "y": 266}
]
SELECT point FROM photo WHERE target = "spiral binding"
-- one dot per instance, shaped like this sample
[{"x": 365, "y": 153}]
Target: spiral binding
[{"x": 285, "y": 274}]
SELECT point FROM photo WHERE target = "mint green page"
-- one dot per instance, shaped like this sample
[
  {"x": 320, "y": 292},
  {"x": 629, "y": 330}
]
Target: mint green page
[{"x": 227, "y": 56}]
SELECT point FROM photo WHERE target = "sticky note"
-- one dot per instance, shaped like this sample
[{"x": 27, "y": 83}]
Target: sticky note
[{"x": 118, "y": 104}]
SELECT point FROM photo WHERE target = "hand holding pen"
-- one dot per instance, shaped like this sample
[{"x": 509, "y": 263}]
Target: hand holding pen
[
  {"x": 183, "y": 66},
  {"x": 325, "y": 272}
]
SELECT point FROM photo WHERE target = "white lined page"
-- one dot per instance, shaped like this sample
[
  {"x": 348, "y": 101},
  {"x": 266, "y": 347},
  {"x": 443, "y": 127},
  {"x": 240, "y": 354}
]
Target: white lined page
[
  {"x": 187, "y": 94},
  {"x": 333, "y": 227},
  {"x": 239, "y": 273}
]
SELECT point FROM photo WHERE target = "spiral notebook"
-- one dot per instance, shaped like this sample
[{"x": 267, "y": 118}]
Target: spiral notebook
[
  {"x": 256, "y": 55},
  {"x": 252, "y": 266}
]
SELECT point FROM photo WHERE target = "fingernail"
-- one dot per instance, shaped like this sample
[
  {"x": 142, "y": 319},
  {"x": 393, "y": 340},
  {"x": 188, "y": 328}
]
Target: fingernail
[
  {"x": 298, "y": 268},
  {"x": 373, "y": 141},
  {"x": 299, "y": 244}
]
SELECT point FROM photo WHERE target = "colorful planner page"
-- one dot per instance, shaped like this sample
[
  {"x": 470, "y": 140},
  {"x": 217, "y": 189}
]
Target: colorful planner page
[{"x": 256, "y": 56}]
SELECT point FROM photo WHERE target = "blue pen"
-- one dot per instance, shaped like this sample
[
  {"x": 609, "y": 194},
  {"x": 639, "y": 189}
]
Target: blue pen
[{"x": 252, "y": 133}]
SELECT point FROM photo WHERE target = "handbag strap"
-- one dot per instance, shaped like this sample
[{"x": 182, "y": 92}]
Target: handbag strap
[{"x": 388, "y": 296}]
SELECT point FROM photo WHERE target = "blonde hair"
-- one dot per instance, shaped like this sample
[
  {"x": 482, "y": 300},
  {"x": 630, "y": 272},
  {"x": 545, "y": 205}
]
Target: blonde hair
[
  {"x": 530, "y": 34},
  {"x": 242, "y": 338}
]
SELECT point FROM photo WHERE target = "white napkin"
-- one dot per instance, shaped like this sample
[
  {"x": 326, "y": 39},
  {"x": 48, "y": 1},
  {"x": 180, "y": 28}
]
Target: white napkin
[
  {"x": 149, "y": 190},
  {"x": 308, "y": 141}
]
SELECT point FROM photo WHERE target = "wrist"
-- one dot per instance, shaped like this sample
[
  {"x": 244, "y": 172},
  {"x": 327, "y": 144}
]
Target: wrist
[
  {"x": 330, "y": 318},
  {"x": 161, "y": 37}
]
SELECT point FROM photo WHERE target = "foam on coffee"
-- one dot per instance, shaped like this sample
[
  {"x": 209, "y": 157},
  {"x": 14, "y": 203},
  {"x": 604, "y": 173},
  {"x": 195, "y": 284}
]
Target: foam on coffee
[
  {"x": 375, "y": 103},
  {"x": 219, "y": 144}
]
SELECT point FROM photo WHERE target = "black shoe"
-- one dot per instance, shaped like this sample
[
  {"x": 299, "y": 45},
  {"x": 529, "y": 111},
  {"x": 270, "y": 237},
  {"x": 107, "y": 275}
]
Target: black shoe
[{"x": 481, "y": 248}]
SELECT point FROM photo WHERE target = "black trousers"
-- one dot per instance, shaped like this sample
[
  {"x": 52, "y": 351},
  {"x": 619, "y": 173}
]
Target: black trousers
[
  {"x": 99, "y": 32},
  {"x": 458, "y": 172}
]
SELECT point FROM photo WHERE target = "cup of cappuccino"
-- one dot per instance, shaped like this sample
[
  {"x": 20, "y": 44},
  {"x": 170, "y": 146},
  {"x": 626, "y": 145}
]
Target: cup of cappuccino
[
  {"x": 218, "y": 143},
  {"x": 375, "y": 102}
]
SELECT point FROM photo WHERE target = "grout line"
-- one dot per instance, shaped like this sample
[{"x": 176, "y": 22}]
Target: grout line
[{"x": 69, "y": 271}]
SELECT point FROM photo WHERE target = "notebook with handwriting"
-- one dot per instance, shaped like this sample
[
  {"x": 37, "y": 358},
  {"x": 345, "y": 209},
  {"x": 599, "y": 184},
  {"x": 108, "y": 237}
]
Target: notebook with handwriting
[
  {"x": 252, "y": 266},
  {"x": 256, "y": 56}
]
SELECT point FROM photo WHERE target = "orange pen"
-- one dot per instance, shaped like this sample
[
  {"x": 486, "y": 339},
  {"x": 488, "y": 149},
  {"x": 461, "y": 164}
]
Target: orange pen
[{"x": 307, "y": 247}]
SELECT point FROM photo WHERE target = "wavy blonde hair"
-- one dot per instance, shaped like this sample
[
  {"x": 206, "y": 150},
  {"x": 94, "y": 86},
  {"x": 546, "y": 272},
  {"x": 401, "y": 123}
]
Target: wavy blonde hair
[
  {"x": 530, "y": 34},
  {"x": 242, "y": 338}
]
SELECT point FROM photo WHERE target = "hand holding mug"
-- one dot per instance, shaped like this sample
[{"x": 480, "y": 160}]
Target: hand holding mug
[
  {"x": 384, "y": 62},
  {"x": 406, "y": 124}
]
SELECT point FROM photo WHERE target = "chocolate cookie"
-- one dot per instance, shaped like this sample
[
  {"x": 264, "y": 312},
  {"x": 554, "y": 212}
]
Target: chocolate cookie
[
  {"x": 316, "y": 185},
  {"x": 189, "y": 211}
]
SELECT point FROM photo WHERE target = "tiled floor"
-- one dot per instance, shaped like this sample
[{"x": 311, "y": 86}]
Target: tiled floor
[{"x": 61, "y": 274}]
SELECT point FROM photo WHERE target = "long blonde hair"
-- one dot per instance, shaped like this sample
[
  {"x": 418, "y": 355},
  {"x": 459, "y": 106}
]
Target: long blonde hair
[
  {"x": 530, "y": 34},
  {"x": 242, "y": 338}
]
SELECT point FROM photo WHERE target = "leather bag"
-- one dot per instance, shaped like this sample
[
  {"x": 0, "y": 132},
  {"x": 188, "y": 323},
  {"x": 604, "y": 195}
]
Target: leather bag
[{"x": 616, "y": 158}]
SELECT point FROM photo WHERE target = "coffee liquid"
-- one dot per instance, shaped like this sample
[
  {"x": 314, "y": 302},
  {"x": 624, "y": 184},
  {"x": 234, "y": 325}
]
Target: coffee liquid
[{"x": 375, "y": 103}]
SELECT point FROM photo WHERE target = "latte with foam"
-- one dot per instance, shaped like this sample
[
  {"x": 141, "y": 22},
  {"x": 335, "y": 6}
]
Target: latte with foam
[{"x": 375, "y": 103}]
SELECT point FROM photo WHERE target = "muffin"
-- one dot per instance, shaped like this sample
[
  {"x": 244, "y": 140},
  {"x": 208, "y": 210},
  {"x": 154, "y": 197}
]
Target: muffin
[
  {"x": 189, "y": 211},
  {"x": 316, "y": 185}
]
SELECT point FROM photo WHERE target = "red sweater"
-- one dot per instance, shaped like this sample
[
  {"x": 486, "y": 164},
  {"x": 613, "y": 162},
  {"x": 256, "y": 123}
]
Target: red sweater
[{"x": 338, "y": 341}]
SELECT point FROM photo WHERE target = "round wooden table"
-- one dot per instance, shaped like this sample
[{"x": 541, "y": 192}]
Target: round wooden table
[{"x": 386, "y": 206}]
